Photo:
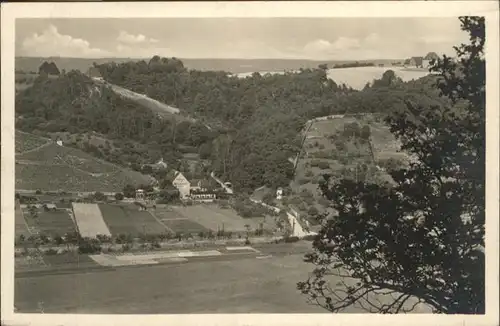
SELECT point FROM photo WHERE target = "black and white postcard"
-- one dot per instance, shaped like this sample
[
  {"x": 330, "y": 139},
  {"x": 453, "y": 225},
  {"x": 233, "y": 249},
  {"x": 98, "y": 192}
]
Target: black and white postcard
[{"x": 250, "y": 163}]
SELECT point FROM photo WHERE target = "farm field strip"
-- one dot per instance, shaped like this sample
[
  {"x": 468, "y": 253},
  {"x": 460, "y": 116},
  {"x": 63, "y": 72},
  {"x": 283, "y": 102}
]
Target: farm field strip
[
  {"x": 150, "y": 258},
  {"x": 89, "y": 220},
  {"x": 21, "y": 227},
  {"x": 121, "y": 220},
  {"x": 239, "y": 221},
  {"x": 153, "y": 214},
  {"x": 214, "y": 220},
  {"x": 165, "y": 214},
  {"x": 185, "y": 226},
  {"x": 49, "y": 222},
  {"x": 144, "y": 100},
  {"x": 177, "y": 222}
]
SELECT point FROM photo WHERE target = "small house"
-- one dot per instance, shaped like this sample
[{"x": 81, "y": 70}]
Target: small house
[
  {"x": 279, "y": 193},
  {"x": 203, "y": 196},
  {"x": 158, "y": 166},
  {"x": 200, "y": 185},
  {"x": 416, "y": 62},
  {"x": 182, "y": 184},
  {"x": 202, "y": 190},
  {"x": 49, "y": 207}
]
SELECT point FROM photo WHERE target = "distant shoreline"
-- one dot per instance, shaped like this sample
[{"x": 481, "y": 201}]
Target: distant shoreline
[{"x": 416, "y": 69}]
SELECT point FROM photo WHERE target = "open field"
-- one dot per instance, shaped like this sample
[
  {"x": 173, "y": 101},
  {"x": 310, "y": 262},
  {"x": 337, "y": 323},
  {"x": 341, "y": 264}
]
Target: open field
[
  {"x": 184, "y": 226},
  {"x": 161, "y": 109},
  {"x": 89, "y": 220},
  {"x": 214, "y": 218},
  {"x": 357, "y": 77},
  {"x": 245, "y": 285},
  {"x": 177, "y": 222},
  {"x": 145, "y": 101},
  {"x": 123, "y": 220},
  {"x": 50, "y": 223},
  {"x": 47, "y": 166}
]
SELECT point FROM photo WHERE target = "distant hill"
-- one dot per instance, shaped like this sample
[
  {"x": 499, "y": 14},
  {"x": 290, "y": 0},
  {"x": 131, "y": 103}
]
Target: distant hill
[
  {"x": 42, "y": 164},
  {"x": 235, "y": 66}
]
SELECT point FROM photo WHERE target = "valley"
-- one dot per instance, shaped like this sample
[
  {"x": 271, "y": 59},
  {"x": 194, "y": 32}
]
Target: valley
[{"x": 156, "y": 186}]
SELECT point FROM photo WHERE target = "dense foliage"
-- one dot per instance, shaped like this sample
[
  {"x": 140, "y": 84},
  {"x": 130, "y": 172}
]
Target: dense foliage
[
  {"x": 73, "y": 103},
  {"x": 423, "y": 237},
  {"x": 262, "y": 115},
  {"x": 254, "y": 123},
  {"x": 353, "y": 65}
]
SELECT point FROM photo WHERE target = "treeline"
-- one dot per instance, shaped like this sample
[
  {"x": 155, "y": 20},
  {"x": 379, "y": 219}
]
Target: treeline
[{"x": 353, "y": 65}]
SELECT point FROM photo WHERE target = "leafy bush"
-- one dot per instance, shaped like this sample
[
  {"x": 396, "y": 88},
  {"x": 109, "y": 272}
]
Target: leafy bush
[
  {"x": 89, "y": 246},
  {"x": 50, "y": 252}
]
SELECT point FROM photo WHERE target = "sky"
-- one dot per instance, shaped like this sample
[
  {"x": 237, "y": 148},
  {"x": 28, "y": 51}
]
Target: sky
[{"x": 245, "y": 38}]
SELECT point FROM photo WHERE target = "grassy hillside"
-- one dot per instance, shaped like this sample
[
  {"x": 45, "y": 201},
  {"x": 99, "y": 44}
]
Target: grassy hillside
[
  {"x": 107, "y": 125},
  {"x": 52, "y": 167},
  {"x": 333, "y": 147}
]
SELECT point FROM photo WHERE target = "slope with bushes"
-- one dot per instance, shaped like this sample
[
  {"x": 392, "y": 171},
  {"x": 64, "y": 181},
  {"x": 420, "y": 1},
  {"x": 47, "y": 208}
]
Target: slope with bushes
[
  {"x": 74, "y": 104},
  {"x": 51, "y": 167}
]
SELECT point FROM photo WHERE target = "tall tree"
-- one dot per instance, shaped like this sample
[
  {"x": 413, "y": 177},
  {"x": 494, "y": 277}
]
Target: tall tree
[{"x": 424, "y": 237}]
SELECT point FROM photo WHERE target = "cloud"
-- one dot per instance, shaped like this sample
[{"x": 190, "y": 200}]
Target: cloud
[
  {"x": 127, "y": 38},
  {"x": 51, "y": 43},
  {"x": 375, "y": 46}
]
